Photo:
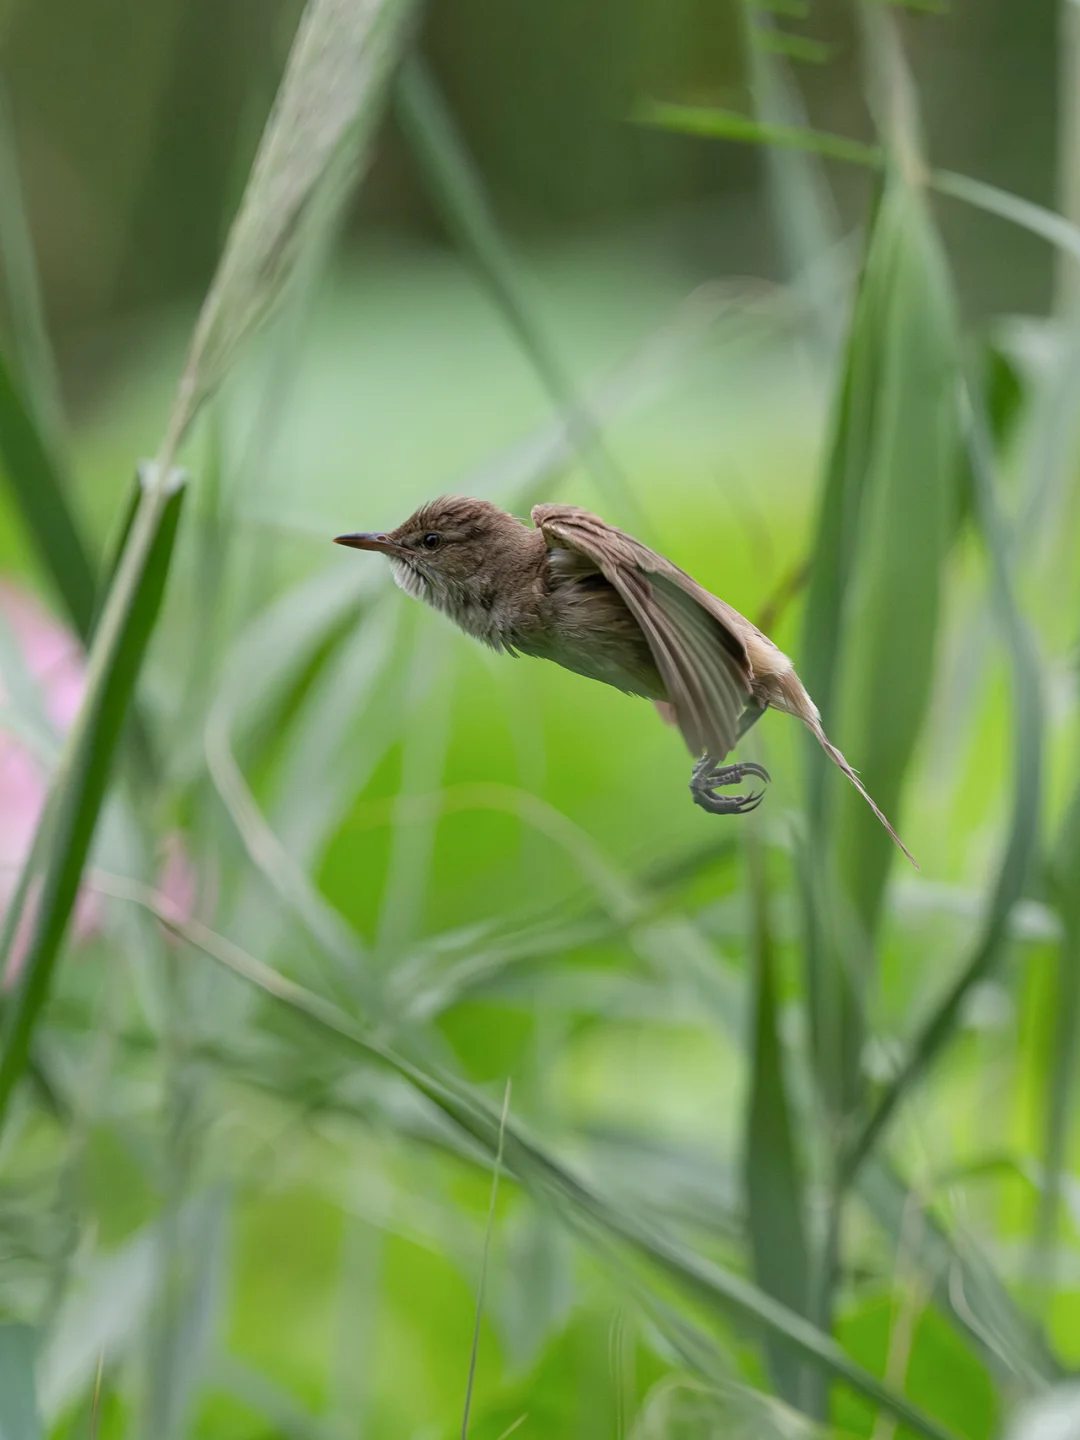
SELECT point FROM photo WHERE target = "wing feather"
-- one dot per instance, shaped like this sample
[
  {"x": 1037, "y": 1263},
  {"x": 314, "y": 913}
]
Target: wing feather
[{"x": 699, "y": 652}]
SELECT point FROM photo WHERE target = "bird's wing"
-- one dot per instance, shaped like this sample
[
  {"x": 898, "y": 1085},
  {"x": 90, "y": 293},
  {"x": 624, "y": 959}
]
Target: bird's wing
[{"x": 693, "y": 637}]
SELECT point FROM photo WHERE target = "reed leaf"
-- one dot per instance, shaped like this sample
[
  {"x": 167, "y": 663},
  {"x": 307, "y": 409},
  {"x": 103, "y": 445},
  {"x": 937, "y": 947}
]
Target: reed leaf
[
  {"x": 332, "y": 91},
  {"x": 871, "y": 617},
  {"x": 81, "y": 782},
  {"x": 775, "y": 1206},
  {"x": 31, "y": 423},
  {"x": 1027, "y": 748},
  {"x": 901, "y": 531},
  {"x": 599, "y": 1220},
  {"x": 1061, "y": 1071},
  {"x": 35, "y": 362},
  {"x": 964, "y": 1283},
  {"x": 41, "y": 499},
  {"x": 722, "y": 124}
]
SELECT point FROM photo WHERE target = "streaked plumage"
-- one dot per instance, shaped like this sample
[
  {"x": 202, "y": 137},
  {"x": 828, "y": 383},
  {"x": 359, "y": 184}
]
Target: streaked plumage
[{"x": 593, "y": 599}]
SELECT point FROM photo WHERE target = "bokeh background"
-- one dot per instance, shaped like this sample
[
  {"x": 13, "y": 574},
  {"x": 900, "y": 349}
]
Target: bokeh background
[{"x": 773, "y": 1055}]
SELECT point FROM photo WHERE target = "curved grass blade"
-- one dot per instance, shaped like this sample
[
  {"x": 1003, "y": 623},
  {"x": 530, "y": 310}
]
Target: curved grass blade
[
  {"x": 965, "y": 1286},
  {"x": 904, "y": 525},
  {"x": 731, "y": 125},
  {"x": 458, "y": 192},
  {"x": 598, "y": 1219},
  {"x": 146, "y": 766},
  {"x": 117, "y": 544},
  {"x": 79, "y": 788},
  {"x": 1027, "y": 780},
  {"x": 496, "y": 1172},
  {"x": 850, "y": 454},
  {"x": 40, "y": 496},
  {"x": 30, "y": 405},
  {"x": 1061, "y": 1079},
  {"x": 35, "y": 362},
  {"x": 261, "y": 669},
  {"x": 794, "y": 47},
  {"x": 1055, "y": 229},
  {"x": 774, "y": 1199},
  {"x": 95, "y": 1399},
  {"x": 871, "y": 613},
  {"x": 834, "y": 1011}
]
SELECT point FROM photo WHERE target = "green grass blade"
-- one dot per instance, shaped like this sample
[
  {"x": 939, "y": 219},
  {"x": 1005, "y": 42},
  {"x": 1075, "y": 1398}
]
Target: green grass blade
[
  {"x": 76, "y": 799},
  {"x": 1061, "y": 1078},
  {"x": 597, "y": 1218},
  {"x": 117, "y": 543},
  {"x": 41, "y": 501},
  {"x": 709, "y": 123},
  {"x": 1027, "y": 780},
  {"x": 18, "y": 1407},
  {"x": 872, "y": 605},
  {"x": 794, "y": 47},
  {"x": 834, "y": 1012},
  {"x": 730, "y": 125},
  {"x": 496, "y": 1172},
  {"x": 774, "y": 1198},
  {"x": 1063, "y": 234},
  {"x": 30, "y": 405},
  {"x": 905, "y": 523},
  {"x": 965, "y": 1286},
  {"x": 36, "y": 365},
  {"x": 192, "y": 1260},
  {"x": 329, "y": 760},
  {"x": 424, "y": 736},
  {"x": 849, "y": 461},
  {"x": 146, "y": 767},
  {"x": 458, "y": 192},
  {"x": 266, "y": 662}
]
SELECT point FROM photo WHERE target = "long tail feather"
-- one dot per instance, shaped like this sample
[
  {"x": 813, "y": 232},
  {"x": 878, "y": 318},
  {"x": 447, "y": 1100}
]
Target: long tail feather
[
  {"x": 838, "y": 760},
  {"x": 788, "y": 693}
]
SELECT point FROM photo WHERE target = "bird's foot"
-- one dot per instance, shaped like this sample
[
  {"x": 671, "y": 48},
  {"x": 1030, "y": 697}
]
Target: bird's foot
[{"x": 707, "y": 777}]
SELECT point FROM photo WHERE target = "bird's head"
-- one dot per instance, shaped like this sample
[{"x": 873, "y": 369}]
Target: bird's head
[{"x": 453, "y": 552}]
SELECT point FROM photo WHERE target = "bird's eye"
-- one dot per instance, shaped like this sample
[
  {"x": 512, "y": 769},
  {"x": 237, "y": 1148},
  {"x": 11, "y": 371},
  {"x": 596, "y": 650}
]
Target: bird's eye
[{"x": 431, "y": 541}]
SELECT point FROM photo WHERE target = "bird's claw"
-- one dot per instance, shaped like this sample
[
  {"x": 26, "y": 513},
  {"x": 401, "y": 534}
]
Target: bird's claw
[{"x": 707, "y": 778}]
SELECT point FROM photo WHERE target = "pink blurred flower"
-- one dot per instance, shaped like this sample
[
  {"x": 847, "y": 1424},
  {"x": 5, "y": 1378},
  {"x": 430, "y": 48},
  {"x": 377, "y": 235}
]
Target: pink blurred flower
[{"x": 54, "y": 659}]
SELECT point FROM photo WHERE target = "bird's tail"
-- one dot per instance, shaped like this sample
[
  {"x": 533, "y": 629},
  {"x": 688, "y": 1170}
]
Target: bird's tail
[{"x": 792, "y": 696}]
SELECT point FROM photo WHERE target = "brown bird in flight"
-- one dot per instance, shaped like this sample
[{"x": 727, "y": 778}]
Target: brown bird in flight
[{"x": 596, "y": 601}]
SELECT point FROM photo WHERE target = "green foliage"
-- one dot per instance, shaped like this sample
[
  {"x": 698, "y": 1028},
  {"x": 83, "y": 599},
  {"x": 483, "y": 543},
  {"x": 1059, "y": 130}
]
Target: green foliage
[
  {"x": 772, "y": 1152},
  {"x": 43, "y": 505},
  {"x": 775, "y": 1197},
  {"x": 897, "y": 531},
  {"x": 72, "y": 810}
]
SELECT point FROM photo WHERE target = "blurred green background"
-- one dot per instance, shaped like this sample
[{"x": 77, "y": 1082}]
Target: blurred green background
[{"x": 797, "y": 1088}]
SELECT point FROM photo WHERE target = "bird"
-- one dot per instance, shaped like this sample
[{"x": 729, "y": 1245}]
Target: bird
[{"x": 575, "y": 590}]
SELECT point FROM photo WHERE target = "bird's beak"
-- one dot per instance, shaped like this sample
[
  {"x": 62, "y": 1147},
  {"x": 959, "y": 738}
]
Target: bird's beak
[{"x": 366, "y": 541}]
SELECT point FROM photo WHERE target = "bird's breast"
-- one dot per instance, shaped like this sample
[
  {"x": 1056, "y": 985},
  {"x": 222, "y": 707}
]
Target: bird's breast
[{"x": 587, "y": 627}]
